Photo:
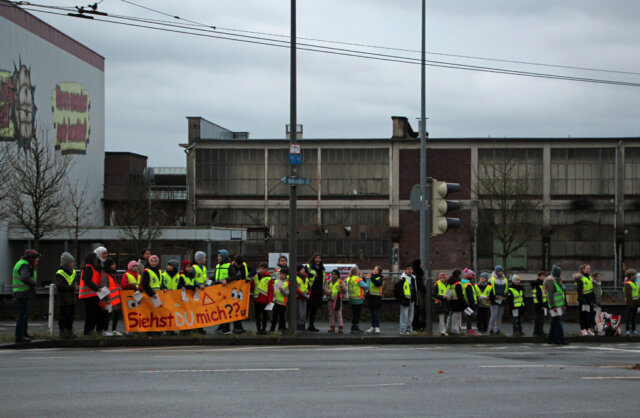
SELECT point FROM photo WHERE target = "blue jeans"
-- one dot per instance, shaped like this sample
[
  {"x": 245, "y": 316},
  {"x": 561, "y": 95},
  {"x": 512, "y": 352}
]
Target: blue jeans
[
  {"x": 375, "y": 317},
  {"x": 406, "y": 317},
  {"x": 24, "y": 309}
]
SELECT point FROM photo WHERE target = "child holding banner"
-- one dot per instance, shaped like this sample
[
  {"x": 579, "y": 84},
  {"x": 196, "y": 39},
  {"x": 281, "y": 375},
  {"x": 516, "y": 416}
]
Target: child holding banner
[
  {"x": 280, "y": 294},
  {"x": 131, "y": 278}
]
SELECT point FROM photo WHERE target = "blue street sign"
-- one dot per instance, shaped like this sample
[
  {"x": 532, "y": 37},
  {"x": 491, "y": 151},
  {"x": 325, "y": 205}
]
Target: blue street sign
[
  {"x": 295, "y": 159},
  {"x": 298, "y": 181}
]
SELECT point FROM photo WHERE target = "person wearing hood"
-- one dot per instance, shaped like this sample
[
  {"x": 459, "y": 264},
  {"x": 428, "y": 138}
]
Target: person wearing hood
[
  {"x": 457, "y": 302},
  {"x": 316, "y": 286},
  {"x": 102, "y": 254},
  {"x": 131, "y": 278},
  {"x": 419, "y": 321},
  {"x": 407, "y": 282},
  {"x": 556, "y": 301},
  {"x": 374, "y": 298},
  {"x": 25, "y": 278},
  {"x": 171, "y": 276},
  {"x": 470, "y": 297},
  {"x": 483, "y": 290},
  {"x": 89, "y": 284},
  {"x": 586, "y": 300},
  {"x": 200, "y": 267},
  {"x": 539, "y": 304},
  {"x": 440, "y": 303},
  {"x": 111, "y": 303},
  {"x": 66, "y": 291},
  {"x": 498, "y": 298},
  {"x": 515, "y": 300},
  {"x": 632, "y": 299}
]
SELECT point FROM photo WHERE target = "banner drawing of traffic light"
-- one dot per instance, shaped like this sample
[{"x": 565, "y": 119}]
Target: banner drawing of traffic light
[{"x": 440, "y": 207}]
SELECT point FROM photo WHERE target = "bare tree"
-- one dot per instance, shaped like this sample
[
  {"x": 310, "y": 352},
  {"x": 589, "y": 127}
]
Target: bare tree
[
  {"x": 137, "y": 216},
  {"x": 78, "y": 213},
  {"x": 4, "y": 168},
  {"x": 36, "y": 187},
  {"x": 508, "y": 199}
]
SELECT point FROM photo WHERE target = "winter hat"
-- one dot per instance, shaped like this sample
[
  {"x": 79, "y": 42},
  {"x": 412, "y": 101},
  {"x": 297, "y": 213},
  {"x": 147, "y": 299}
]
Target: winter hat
[
  {"x": 174, "y": 263},
  {"x": 66, "y": 259},
  {"x": 556, "y": 271},
  {"x": 468, "y": 274},
  {"x": 151, "y": 257},
  {"x": 485, "y": 275},
  {"x": 132, "y": 266},
  {"x": 498, "y": 269},
  {"x": 200, "y": 255},
  {"x": 442, "y": 275},
  {"x": 100, "y": 251},
  {"x": 185, "y": 263},
  {"x": 514, "y": 278},
  {"x": 31, "y": 254}
]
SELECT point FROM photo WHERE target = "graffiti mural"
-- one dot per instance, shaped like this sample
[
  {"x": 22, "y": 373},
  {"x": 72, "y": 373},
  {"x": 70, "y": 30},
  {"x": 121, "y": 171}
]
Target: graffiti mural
[
  {"x": 70, "y": 105},
  {"x": 17, "y": 106}
]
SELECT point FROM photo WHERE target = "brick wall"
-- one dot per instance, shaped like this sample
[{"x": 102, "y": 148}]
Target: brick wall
[{"x": 452, "y": 165}]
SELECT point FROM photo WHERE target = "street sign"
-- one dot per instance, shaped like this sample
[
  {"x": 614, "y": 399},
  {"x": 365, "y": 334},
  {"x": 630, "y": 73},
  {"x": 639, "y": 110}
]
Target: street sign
[
  {"x": 297, "y": 181},
  {"x": 416, "y": 198},
  {"x": 295, "y": 149},
  {"x": 295, "y": 159}
]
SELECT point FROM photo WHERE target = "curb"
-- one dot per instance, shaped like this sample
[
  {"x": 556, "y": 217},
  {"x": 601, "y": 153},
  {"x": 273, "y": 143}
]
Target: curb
[{"x": 164, "y": 341}]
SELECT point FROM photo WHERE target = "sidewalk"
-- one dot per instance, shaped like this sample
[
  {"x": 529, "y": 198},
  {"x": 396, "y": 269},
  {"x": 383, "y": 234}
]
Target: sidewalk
[{"x": 389, "y": 335}]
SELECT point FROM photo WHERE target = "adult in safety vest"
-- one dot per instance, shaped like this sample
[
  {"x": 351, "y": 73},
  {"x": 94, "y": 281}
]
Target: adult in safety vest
[
  {"x": 556, "y": 301},
  {"x": 539, "y": 304},
  {"x": 356, "y": 286},
  {"x": 222, "y": 268},
  {"x": 374, "y": 300},
  {"x": 171, "y": 276},
  {"x": 200, "y": 267},
  {"x": 25, "y": 277},
  {"x": 65, "y": 283},
  {"x": 88, "y": 286},
  {"x": 515, "y": 299},
  {"x": 111, "y": 302},
  {"x": 632, "y": 298},
  {"x": 586, "y": 300},
  {"x": 316, "y": 285}
]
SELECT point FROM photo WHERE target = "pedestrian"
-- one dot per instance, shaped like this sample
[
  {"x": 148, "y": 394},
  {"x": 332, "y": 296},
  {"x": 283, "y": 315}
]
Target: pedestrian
[
  {"x": 597, "y": 294},
  {"x": 101, "y": 253},
  {"x": 25, "y": 279},
  {"x": 238, "y": 271},
  {"x": 515, "y": 300},
  {"x": 316, "y": 288},
  {"x": 65, "y": 283},
  {"x": 556, "y": 300},
  {"x": 221, "y": 275},
  {"x": 586, "y": 300},
  {"x": 302, "y": 296},
  {"x": 632, "y": 299},
  {"x": 419, "y": 321},
  {"x": 484, "y": 303},
  {"x": 335, "y": 290},
  {"x": 110, "y": 304},
  {"x": 200, "y": 267},
  {"x": 187, "y": 276},
  {"x": 151, "y": 277},
  {"x": 539, "y": 304},
  {"x": 498, "y": 298},
  {"x": 282, "y": 263},
  {"x": 264, "y": 298},
  {"x": 280, "y": 293},
  {"x": 407, "y": 300},
  {"x": 470, "y": 298},
  {"x": 89, "y": 282},
  {"x": 374, "y": 298},
  {"x": 356, "y": 287},
  {"x": 457, "y": 302},
  {"x": 131, "y": 278},
  {"x": 143, "y": 261},
  {"x": 171, "y": 275},
  {"x": 440, "y": 303}
]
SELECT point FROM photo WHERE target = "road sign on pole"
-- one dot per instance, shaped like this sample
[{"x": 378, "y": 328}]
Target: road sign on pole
[{"x": 297, "y": 181}]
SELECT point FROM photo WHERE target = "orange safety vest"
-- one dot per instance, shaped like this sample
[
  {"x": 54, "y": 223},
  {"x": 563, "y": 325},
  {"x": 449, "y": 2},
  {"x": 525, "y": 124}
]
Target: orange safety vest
[
  {"x": 114, "y": 293},
  {"x": 85, "y": 291}
]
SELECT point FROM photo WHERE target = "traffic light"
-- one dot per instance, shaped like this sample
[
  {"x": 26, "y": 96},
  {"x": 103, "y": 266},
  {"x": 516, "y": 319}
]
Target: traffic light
[{"x": 440, "y": 207}]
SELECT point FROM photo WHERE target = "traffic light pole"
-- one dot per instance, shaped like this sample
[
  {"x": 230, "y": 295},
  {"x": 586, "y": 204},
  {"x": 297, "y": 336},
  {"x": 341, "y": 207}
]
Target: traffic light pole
[
  {"x": 429, "y": 284},
  {"x": 293, "y": 133}
]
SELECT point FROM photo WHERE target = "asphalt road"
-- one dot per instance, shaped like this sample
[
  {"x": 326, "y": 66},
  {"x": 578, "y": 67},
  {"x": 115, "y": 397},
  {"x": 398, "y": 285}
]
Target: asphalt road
[{"x": 463, "y": 380}]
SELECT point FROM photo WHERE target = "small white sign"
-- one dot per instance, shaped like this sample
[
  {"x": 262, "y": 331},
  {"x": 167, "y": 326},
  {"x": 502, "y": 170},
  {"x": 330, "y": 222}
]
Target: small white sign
[{"x": 295, "y": 149}]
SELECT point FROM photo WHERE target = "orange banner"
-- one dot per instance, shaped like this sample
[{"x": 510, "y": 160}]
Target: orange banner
[{"x": 214, "y": 305}]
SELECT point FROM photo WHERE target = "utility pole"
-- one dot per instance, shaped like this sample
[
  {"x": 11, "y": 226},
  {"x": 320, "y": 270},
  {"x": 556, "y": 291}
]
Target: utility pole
[{"x": 293, "y": 131}]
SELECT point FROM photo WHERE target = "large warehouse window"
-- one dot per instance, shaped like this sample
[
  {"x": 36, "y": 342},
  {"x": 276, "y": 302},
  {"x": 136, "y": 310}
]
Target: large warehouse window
[
  {"x": 279, "y": 168},
  {"x": 582, "y": 171},
  {"x": 519, "y": 168},
  {"x": 356, "y": 233},
  {"x": 230, "y": 172},
  {"x": 632, "y": 171},
  {"x": 355, "y": 172},
  {"x": 582, "y": 234}
]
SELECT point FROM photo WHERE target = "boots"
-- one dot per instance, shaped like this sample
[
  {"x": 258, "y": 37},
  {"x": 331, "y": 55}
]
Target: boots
[
  {"x": 340, "y": 330},
  {"x": 332, "y": 329},
  {"x": 355, "y": 329}
]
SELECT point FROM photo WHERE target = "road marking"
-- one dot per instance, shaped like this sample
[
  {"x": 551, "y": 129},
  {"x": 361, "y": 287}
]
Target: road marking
[
  {"x": 218, "y": 370},
  {"x": 613, "y": 349},
  {"x": 509, "y": 366},
  {"x": 611, "y": 378}
]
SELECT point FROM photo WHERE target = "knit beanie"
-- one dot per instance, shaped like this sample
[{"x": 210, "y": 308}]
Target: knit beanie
[
  {"x": 175, "y": 264},
  {"x": 468, "y": 274},
  {"x": 31, "y": 254},
  {"x": 499, "y": 269},
  {"x": 132, "y": 266},
  {"x": 185, "y": 263},
  {"x": 154, "y": 257},
  {"x": 66, "y": 259},
  {"x": 485, "y": 275},
  {"x": 556, "y": 271},
  {"x": 200, "y": 255}
]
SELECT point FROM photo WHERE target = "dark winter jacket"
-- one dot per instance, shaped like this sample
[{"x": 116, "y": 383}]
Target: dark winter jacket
[
  {"x": 510, "y": 299},
  {"x": 537, "y": 286},
  {"x": 315, "y": 299},
  {"x": 584, "y": 299},
  {"x": 65, "y": 292},
  {"x": 471, "y": 299},
  {"x": 182, "y": 284},
  {"x": 146, "y": 281},
  {"x": 459, "y": 304},
  {"x": 26, "y": 275},
  {"x": 375, "y": 301}
]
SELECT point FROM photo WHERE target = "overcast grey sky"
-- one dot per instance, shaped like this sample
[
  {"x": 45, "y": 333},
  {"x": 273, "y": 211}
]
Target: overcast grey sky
[{"x": 154, "y": 79}]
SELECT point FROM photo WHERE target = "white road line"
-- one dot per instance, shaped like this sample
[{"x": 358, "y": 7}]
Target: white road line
[
  {"x": 611, "y": 378},
  {"x": 613, "y": 349},
  {"x": 517, "y": 366},
  {"x": 218, "y": 370}
]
